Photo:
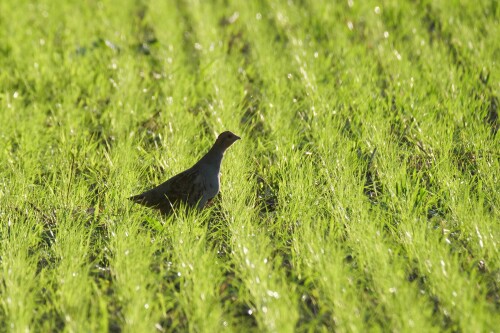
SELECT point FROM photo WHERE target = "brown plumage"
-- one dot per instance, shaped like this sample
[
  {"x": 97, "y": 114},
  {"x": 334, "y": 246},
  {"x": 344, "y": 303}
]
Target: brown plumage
[{"x": 194, "y": 187}]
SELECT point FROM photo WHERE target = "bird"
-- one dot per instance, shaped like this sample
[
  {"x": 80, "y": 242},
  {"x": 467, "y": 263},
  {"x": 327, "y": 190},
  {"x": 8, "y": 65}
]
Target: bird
[{"x": 194, "y": 187}]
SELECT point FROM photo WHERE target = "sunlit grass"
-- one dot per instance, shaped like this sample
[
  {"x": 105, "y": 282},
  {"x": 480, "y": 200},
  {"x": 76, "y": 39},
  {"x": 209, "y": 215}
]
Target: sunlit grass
[{"x": 363, "y": 195}]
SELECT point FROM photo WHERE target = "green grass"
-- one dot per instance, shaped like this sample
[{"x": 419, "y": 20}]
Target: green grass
[{"x": 364, "y": 195}]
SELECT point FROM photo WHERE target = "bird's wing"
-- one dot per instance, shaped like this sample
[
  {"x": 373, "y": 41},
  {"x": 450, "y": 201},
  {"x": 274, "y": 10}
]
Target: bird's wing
[{"x": 185, "y": 187}]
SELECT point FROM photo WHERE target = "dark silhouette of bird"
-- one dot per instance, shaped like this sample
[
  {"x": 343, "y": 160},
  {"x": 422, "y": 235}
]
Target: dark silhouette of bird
[{"x": 194, "y": 187}]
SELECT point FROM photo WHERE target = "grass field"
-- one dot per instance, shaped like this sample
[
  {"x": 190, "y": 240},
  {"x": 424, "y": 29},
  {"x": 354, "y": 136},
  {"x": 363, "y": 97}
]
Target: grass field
[{"x": 363, "y": 196}]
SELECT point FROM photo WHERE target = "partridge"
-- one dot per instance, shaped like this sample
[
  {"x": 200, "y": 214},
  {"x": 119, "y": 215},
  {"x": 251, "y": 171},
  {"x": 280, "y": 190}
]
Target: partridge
[{"x": 194, "y": 187}]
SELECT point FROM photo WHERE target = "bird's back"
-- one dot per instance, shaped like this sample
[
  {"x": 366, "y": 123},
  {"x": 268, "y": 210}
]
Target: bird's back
[{"x": 182, "y": 188}]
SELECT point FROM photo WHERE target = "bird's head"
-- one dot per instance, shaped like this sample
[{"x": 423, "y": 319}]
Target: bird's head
[{"x": 226, "y": 139}]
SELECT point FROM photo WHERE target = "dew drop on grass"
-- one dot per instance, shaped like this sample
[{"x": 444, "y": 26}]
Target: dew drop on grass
[
  {"x": 443, "y": 267},
  {"x": 273, "y": 294},
  {"x": 397, "y": 54},
  {"x": 480, "y": 237}
]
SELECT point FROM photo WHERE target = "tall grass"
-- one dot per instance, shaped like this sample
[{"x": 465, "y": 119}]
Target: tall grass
[{"x": 362, "y": 197}]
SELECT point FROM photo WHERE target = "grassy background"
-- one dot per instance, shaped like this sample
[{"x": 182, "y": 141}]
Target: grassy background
[{"x": 364, "y": 195}]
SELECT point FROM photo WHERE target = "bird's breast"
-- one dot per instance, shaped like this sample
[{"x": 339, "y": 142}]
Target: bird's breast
[
  {"x": 211, "y": 180},
  {"x": 212, "y": 186}
]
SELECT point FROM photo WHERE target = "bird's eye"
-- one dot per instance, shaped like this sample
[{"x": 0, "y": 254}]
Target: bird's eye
[{"x": 230, "y": 136}]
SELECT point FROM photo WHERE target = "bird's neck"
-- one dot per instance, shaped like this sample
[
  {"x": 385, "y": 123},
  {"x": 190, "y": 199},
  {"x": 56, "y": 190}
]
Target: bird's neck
[{"x": 213, "y": 156}]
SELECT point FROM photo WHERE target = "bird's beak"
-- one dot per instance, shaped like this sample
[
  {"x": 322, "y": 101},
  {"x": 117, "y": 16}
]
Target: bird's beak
[{"x": 237, "y": 138}]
